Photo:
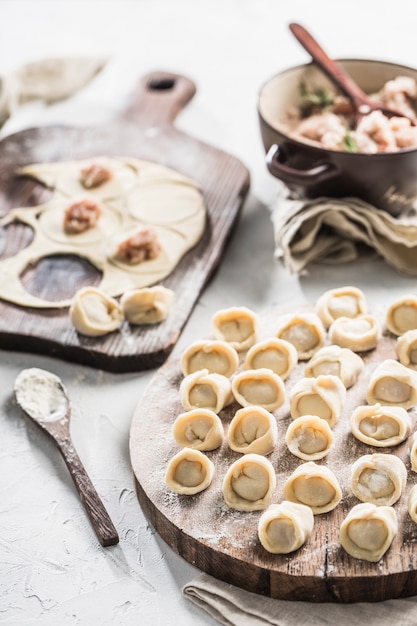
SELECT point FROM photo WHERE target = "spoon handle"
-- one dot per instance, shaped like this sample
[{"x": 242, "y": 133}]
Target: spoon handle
[
  {"x": 102, "y": 524},
  {"x": 331, "y": 67}
]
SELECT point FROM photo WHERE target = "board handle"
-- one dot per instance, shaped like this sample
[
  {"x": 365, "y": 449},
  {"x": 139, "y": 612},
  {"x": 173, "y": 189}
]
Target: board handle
[{"x": 158, "y": 99}]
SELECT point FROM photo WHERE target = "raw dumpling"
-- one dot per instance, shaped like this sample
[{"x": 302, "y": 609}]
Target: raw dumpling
[
  {"x": 402, "y": 315},
  {"x": 323, "y": 396},
  {"x": 259, "y": 387},
  {"x": 204, "y": 390},
  {"x": 315, "y": 486},
  {"x": 378, "y": 478},
  {"x": 309, "y": 438},
  {"x": 200, "y": 429},
  {"x": 341, "y": 302},
  {"x": 285, "y": 527},
  {"x": 304, "y": 330},
  {"x": 189, "y": 472},
  {"x": 218, "y": 357},
  {"x": 406, "y": 349},
  {"x": 249, "y": 483},
  {"x": 412, "y": 503},
  {"x": 392, "y": 383},
  {"x": 149, "y": 305},
  {"x": 253, "y": 429},
  {"x": 368, "y": 530},
  {"x": 275, "y": 354},
  {"x": 93, "y": 313},
  {"x": 380, "y": 426},
  {"x": 413, "y": 452},
  {"x": 337, "y": 361},
  {"x": 359, "y": 334},
  {"x": 238, "y": 326}
]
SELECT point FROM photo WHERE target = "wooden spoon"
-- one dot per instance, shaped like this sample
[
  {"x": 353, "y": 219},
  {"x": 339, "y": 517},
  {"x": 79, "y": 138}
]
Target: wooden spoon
[
  {"x": 43, "y": 397},
  {"x": 362, "y": 103}
]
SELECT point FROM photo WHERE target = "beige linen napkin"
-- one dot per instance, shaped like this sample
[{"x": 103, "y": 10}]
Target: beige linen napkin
[
  {"x": 49, "y": 80},
  {"x": 328, "y": 230},
  {"x": 235, "y": 607}
]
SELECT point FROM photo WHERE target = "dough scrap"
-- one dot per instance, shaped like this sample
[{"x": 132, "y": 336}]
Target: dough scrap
[{"x": 139, "y": 194}]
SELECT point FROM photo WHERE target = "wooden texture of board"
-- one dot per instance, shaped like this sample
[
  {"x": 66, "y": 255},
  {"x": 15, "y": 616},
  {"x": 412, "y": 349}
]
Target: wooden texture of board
[
  {"x": 223, "y": 542},
  {"x": 145, "y": 130}
]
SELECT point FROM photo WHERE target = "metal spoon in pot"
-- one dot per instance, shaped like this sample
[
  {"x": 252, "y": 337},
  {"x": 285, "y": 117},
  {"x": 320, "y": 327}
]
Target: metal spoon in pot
[
  {"x": 362, "y": 103},
  {"x": 43, "y": 397}
]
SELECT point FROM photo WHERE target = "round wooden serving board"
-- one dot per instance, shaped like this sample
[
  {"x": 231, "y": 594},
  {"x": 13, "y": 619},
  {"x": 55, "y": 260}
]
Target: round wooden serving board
[{"x": 223, "y": 542}]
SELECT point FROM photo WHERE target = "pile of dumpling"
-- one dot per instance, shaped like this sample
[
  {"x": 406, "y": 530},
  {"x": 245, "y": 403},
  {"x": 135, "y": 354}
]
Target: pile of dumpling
[{"x": 237, "y": 367}]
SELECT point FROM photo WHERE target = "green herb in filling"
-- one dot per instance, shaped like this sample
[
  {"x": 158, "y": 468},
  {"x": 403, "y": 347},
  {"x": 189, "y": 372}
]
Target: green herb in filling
[
  {"x": 318, "y": 97},
  {"x": 348, "y": 143}
]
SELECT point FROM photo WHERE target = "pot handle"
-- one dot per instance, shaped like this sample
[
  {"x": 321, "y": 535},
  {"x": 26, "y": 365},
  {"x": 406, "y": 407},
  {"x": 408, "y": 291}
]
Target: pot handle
[{"x": 275, "y": 161}]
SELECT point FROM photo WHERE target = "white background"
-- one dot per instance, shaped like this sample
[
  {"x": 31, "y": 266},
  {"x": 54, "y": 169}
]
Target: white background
[{"x": 52, "y": 569}]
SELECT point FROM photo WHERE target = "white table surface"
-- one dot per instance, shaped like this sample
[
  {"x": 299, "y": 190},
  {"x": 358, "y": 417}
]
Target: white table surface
[{"x": 52, "y": 569}]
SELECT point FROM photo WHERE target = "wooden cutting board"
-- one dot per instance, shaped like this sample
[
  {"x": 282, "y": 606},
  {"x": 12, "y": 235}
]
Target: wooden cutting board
[
  {"x": 224, "y": 543},
  {"x": 145, "y": 130}
]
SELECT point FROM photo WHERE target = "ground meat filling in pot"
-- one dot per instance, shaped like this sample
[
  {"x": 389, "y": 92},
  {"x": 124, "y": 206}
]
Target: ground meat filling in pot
[{"x": 327, "y": 120}]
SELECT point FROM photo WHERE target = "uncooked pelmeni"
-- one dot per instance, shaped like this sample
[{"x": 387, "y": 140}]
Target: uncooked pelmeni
[
  {"x": 378, "y": 478},
  {"x": 200, "y": 429},
  {"x": 217, "y": 356},
  {"x": 189, "y": 472},
  {"x": 367, "y": 531},
  {"x": 341, "y": 302},
  {"x": 402, "y": 315},
  {"x": 406, "y": 349},
  {"x": 412, "y": 503},
  {"x": 239, "y": 326},
  {"x": 138, "y": 195},
  {"x": 337, "y": 361},
  {"x": 304, "y": 330},
  {"x": 149, "y": 305},
  {"x": 392, "y": 383},
  {"x": 285, "y": 527},
  {"x": 309, "y": 438},
  {"x": 249, "y": 483},
  {"x": 253, "y": 429},
  {"x": 204, "y": 390},
  {"x": 323, "y": 396},
  {"x": 275, "y": 354},
  {"x": 380, "y": 426},
  {"x": 259, "y": 387},
  {"x": 93, "y": 313},
  {"x": 315, "y": 486},
  {"x": 359, "y": 334}
]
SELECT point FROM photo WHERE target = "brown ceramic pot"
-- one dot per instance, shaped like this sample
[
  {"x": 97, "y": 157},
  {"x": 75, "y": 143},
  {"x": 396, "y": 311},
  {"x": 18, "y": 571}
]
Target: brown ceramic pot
[{"x": 386, "y": 180}]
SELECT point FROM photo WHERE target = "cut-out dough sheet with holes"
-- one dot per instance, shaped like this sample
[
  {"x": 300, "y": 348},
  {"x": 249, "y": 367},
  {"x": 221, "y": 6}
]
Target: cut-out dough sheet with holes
[{"x": 140, "y": 194}]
